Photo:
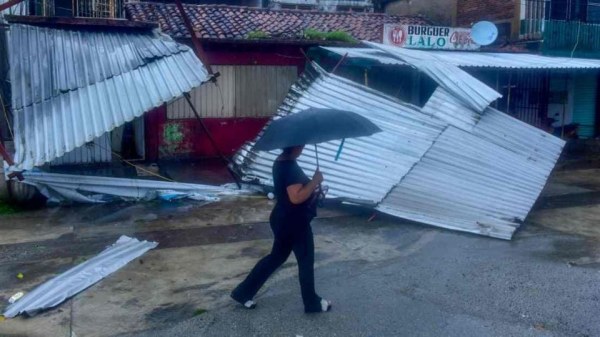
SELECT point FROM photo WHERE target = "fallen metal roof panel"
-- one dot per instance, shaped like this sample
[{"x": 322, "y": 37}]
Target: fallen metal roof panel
[
  {"x": 451, "y": 110},
  {"x": 478, "y": 59},
  {"x": 482, "y": 172},
  {"x": 467, "y": 183},
  {"x": 80, "y": 277},
  {"x": 519, "y": 137},
  {"x": 95, "y": 189},
  {"x": 407, "y": 135},
  {"x": 472, "y": 92},
  {"x": 78, "y": 85}
]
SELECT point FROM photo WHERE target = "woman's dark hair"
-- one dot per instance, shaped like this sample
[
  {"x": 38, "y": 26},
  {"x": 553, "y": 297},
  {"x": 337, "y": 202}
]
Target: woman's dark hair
[{"x": 288, "y": 150}]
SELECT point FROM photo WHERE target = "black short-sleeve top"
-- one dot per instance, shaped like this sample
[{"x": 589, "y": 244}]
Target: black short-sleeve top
[{"x": 287, "y": 173}]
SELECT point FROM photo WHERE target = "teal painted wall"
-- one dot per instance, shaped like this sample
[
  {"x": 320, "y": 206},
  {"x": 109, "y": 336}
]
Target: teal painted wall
[
  {"x": 561, "y": 38},
  {"x": 584, "y": 103}
]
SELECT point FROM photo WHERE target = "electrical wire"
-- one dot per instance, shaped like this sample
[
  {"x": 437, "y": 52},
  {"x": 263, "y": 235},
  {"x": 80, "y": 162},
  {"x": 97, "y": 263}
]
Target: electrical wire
[
  {"x": 577, "y": 41},
  {"x": 132, "y": 164}
]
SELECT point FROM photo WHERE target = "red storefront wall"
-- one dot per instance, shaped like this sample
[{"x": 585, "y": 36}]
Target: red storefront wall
[{"x": 186, "y": 138}]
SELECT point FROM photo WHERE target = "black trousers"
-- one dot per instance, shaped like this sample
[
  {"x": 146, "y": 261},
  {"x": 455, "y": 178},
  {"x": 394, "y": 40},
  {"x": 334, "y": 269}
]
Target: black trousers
[{"x": 290, "y": 235}]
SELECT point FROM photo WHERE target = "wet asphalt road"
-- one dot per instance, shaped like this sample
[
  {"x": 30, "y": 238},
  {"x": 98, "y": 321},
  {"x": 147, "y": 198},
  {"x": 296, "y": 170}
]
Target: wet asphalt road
[{"x": 441, "y": 284}]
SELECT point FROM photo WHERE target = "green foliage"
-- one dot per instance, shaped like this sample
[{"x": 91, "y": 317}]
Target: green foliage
[
  {"x": 338, "y": 35},
  {"x": 6, "y": 209},
  {"x": 255, "y": 35},
  {"x": 199, "y": 312}
]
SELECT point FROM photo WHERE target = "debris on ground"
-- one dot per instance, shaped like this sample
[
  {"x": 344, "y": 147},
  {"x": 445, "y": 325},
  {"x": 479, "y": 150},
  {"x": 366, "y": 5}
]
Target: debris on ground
[
  {"x": 60, "y": 188},
  {"x": 16, "y": 297},
  {"x": 80, "y": 277}
]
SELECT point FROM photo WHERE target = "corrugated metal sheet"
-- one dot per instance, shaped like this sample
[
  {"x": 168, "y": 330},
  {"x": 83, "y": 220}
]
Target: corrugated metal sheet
[
  {"x": 584, "y": 104},
  {"x": 210, "y": 100},
  {"x": 238, "y": 93},
  {"x": 471, "y": 171},
  {"x": 472, "y": 92},
  {"x": 96, "y": 151},
  {"x": 358, "y": 173},
  {"x": 469, "y": 184},
  {"x": 70, "y": 87},
  {"x": 478, "y": 59},
  {"x": 80, "y": 277},
  {"x": 451, "y": 110},
  {"x": 95, "y": 189},
  {"x": 519, "y": 137}
]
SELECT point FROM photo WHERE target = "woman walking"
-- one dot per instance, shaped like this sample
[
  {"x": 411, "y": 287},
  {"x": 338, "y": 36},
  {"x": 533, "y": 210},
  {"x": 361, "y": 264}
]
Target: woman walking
[{"x": 290, "y": 222}]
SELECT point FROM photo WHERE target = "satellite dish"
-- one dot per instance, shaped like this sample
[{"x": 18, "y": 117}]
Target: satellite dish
[{"x": 484, "y": 33}]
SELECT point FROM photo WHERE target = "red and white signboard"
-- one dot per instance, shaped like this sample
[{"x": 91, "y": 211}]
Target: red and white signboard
[{"x": 428, "y": 37}]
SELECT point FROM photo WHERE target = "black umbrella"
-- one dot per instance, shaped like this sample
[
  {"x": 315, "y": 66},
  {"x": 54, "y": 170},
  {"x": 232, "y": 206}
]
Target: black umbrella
[{"x": 313, "y": 126}]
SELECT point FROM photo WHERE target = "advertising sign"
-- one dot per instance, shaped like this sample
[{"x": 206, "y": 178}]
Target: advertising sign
[{"x": 428, "y": 37}]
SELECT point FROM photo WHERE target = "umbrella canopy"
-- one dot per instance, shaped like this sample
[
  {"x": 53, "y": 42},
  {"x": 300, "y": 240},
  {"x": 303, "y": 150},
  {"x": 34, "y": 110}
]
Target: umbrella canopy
[{"x": 313, "y": 126}]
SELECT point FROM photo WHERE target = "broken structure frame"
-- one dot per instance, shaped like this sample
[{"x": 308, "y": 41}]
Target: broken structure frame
[{"x": 452, "y": 163}]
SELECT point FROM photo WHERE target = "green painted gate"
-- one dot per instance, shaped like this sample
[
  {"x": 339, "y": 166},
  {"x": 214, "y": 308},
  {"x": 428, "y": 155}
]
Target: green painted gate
[{"x": 584, "y": 104}]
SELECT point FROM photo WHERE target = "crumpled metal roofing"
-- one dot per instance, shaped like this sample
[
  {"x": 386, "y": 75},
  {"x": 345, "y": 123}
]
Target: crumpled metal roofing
[
  {"x": 408, "y": 134},
  {"x": 467, "y": 183},
  {"x": 457, "y": 82},
  {"x": 478, "y": 59},
  {"x": 482, "y": 172},
  {"x": 94, "y": 189},
  {"x": 69, "y": 87},
  {"x": 450, "y": 109},
  {"x": 80, "y": 277}
]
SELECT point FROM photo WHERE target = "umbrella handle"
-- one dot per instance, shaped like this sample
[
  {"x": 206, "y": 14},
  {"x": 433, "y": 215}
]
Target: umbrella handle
[
  {"x": 317, "y": 154},
  {"x": 339, "y": 152}
]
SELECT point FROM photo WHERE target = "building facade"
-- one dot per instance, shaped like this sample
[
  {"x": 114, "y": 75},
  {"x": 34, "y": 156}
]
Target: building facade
[
  {"x": 551, "y": 27},
  {"x": 258, "y": 53}
]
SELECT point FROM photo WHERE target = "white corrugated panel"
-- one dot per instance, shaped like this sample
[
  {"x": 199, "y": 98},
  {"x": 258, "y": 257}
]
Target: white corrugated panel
[
  {"x": 210, "y": 100},
  {"x": 95, "y": 189},
  {"x": 358, "y": 173},
  {"x": 242, "y": 91},
  {"x": 478, "y": 59},
  {"x": 470, "y": 184},
  {"x": 472, "y": 92},
  {"x": 96, "y": 151},
  {"x": 481, "y": 175},
  {"x": 519, "y": 137},
  {"x": 71, "y": 87},
  {"x": 77, "y": 279},
  {"x": 451, "y": 110}
]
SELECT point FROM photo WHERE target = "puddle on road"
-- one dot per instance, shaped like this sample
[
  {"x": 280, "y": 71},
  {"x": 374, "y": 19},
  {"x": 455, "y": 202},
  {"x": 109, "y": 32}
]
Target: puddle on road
[{"x": 574, "y": 251}]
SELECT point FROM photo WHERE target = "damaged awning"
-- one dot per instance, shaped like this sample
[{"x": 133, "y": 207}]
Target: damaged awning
[
  {"x": 475, "y": 59},
  {"x": 407, "y": 135},
  {"x": 455, "y": 163},
  {"x": 71, "y": 85}
]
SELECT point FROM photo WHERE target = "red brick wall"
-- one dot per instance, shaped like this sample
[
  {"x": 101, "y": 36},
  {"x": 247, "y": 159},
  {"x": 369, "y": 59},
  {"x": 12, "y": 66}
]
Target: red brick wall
[{"x": 471, "y": 11}]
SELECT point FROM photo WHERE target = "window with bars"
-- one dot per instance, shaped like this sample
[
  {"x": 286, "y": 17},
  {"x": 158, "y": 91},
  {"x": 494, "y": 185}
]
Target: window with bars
[
  {"x": 98, "y": 8},
  {"x": 533, "y": 14},
  {"x": 573, "y": 10},
  {"x": 109, "y": 9}
]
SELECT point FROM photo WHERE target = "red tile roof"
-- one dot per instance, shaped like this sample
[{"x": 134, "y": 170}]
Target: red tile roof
[{"x": 232, "y": 22}]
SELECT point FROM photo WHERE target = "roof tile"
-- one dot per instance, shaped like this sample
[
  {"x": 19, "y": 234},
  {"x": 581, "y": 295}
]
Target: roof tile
[{"x": 233, "y": 22}]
